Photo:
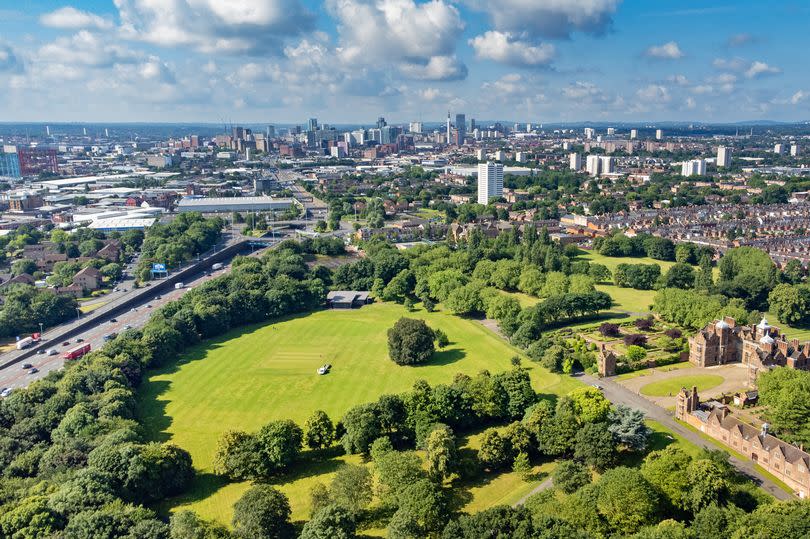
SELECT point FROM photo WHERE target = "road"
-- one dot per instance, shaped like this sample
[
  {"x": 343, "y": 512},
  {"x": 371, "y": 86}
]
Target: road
[
  {"x": 15, "y": 376},
  {"x": 618, "y": 394}
]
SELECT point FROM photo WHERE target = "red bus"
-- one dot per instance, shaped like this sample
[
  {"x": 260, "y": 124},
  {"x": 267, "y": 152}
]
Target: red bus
[{"x": 77, "y": 352}]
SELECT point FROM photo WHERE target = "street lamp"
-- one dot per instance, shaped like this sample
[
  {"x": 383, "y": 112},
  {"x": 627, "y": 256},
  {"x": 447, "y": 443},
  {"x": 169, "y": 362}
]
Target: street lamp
[
  {"x": 40, "y": 330},
  {"x": 78, "y": 313}
]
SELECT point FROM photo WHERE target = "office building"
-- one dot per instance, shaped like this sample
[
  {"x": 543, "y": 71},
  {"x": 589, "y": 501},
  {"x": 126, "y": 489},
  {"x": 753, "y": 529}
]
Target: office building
[
  {"x": 473, "y": 126},
  {"x": 566, "y": 146},
  {"x": 589, "y": 132},
  {"x": 694, "y": 167},
  {"x": 415, "y": 127},
  {"x": 593, "y": 165},
  {"x": 779, "y": 148},
  {"x": 381, "y": 122},
  {"x": 448, "y": 130},
  {"x": 490, "y": 181},
  {"x": 312, "y": 125},
  {"x": 794, "y": 150},
  {"x": 500, "y": 155},
  {"x": 461, "y": 128},
  {"x": 574, "y": 161},
  {"x": 659, "y": 134},
  {"x": 528, "y": 128},
  {"x": 633, "y": 134},
  {"x": 271, "y": 131},
  {"x": 9, "y": 163},
  {"x": 723, "y": 156}
]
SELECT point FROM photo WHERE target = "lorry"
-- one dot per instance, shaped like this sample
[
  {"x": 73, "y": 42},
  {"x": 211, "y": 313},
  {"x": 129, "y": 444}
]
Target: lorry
[
  {"x": 217, "y": 266},
  {"x": 28, "y": 341},
  {"x": 178, "y": 286},
  {"x": 77, "y": 352}
]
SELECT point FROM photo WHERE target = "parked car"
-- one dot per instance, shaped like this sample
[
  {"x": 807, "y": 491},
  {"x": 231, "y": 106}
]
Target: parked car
[
  {"x": 40, "y": 351},
  {"x": 113, "y": 320},
  {"x": 66, "y": 343},
  {"x": 126, "y": 327},
  {"x": 79, "y": 340}
]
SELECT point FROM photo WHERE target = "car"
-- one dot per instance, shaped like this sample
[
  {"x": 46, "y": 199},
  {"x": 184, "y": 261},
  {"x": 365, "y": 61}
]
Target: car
[
  {"x": 66, "y": 343},
  {"x": 33, "y": 370},
  {"x": 79, "y": 340},
  {"x": 134, "y": 309},
  {"x": 126, "y": 327},
  {"x": 40, "y": 351},
  {"x": 116, "y": 290},
  {"x": 26, "y": 366},
  {"x": 148, "y": 305},
  {"x": 322, "y": 371},
  {"x": 6, "y": 392},
  {"x": 597, "y": 386},
  {"x": 113, "y": 320},
  {"x": 158, "y": 297},
  {"x": 52, "y": 352}
]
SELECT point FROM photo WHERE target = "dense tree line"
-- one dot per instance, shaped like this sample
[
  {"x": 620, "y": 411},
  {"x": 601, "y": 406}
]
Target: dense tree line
[
  {"x": 25, "y": 307},
  {"x": 187, "y": 236},
  {"x": 693, "y": 310}
]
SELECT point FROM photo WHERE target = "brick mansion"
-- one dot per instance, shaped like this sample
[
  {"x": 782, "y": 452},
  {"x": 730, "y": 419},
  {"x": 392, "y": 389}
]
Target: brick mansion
[{"x": 757, "y": 347}]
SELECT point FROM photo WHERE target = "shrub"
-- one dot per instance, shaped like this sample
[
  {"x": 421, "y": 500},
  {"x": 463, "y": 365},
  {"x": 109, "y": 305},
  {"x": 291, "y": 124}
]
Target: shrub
[
  {"x": 644, "y": 324},
  {"x": 609, "y": 330},
  {"x": 673, "y": 333},
  {"x": 636, "y": 353},
  {"x": 635, "y": 339}
]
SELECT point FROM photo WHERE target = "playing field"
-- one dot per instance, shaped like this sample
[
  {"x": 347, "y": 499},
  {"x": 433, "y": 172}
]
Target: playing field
[
  {"x": 266, "y": 372},
  {"x": 671, "y": 386}
]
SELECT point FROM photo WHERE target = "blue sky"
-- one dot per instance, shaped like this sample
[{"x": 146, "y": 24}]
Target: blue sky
[{"x": 353, "y": 60}]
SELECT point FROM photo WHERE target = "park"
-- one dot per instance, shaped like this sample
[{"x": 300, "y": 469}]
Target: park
[{"x": 266, "y": 372}]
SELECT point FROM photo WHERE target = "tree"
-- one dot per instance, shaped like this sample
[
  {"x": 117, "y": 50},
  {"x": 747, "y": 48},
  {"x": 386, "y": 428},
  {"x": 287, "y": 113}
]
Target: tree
[
  {"x": 570, "y": 475},
  {"x": 410, "y": 341},
  {"x": 556, "y": 284},
  {"x": 638, "y": 276},
  {"x": 594, "y": 446},
  {"x": 351, "y": 488},
  {"x": 522, "y": 466},
  {"x": 628, "y": 427},
  {"x": 187, "y": 525},
  {"x": 635, "y": 353},
  {"x": 644, "y": 324},
  {"x": 425, "y": 503},
  {"x": 363, "y": 425},
  {"x": 332, "y": 522},
  {"x": 786, "y": 396},
  {"x": 237, "y": 455},
  {"x": 279, "y": 443},
  {"x": 790, "y": 303},
  {"x": 666, "y": 470},
  {"x": 262, "y": 513},
  {"x": 581, "y": 284},
  {"x": 793, "y": 272},
  {"x": 441, "y": 455},
  {"x": 635, "y": 339},
  {"x": 531, "y": 281},
  {"x": 599, "y": 272},
  {"x": 589, "y": 404},
  {"x": 707, "y": 483},
  {"x": 680, "y": 275},
  {"x": 496, "y": 451},
  {"x": 626, "y": 500},
  {"x": 23, "y": 265},
  {"x": 395, "y": 471},
  {"x": 320, "y": 432}
]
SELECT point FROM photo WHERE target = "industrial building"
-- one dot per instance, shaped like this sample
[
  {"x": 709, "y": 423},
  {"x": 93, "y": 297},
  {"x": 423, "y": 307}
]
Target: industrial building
[{"x": 232, "y": 204}]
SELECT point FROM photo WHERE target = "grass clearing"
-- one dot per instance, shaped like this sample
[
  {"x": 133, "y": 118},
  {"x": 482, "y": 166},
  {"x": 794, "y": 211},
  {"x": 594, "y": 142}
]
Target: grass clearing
[
  {"x": 260, "y": 373},
  {"x": 612, "y": 261},
  {"x": 671, "y": 386},
  {"x": 648, "y": 372}
]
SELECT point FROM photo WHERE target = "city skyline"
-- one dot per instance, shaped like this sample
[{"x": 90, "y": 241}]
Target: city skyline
[{"x": 283, "y": 61}]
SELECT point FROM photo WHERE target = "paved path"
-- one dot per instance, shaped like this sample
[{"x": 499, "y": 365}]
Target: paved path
[
  {"x": 735, "y": 377},
  {"x": 619, "y": 394},
  {"x": 547, "y": 483}
]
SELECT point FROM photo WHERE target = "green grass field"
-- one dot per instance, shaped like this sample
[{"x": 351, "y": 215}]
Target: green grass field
[
  {"x": 671, "y": 386},
  {"x": 612, "y": 261},
  {"x": 265, "y": 372}
]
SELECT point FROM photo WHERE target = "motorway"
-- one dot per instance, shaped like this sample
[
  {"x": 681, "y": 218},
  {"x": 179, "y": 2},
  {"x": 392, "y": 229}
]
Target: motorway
[
  {"x": 15, "y": 376},
  {"x": 618, "y": 394}
]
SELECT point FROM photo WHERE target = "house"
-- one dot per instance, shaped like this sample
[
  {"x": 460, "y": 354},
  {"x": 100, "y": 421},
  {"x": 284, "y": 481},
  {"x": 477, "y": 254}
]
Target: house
[
  {"x": 110, "y": 252},
  {"x": 347, "y": 299},
  {"x": 88, "y": 278},
  {"x": 790, "y": 464}
]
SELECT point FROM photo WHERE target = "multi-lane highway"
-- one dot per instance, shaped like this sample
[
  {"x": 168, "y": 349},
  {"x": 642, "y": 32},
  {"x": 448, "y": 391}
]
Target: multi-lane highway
[{"x": 15, "y": 376}]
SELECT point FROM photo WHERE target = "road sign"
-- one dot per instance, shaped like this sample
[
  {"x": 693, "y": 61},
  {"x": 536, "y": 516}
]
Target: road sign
[{"x": 158, "y": 267}]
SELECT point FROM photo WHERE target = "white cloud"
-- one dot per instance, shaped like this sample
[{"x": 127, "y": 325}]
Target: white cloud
[
  {"x": 738, "y": 40},
  {"x": 503, "y": 47},
  {"x": 556, "y": 19},
  {"x": 680, "y": 80},
  {"x": 85, "y": 48},
  {"x": 584, "y": 91},
  {"x": 798, "y": 97},
  {"x": 654, "y": 93},
  {"x": 690, "y": 103},
  {"x": 213, "y": 26},
  {"x": 9, "y": 62},
  {"x": 438, "y": 68},
  {"x": 419, "y": 38},
  {"x": 760, "y": 69},
  {"x": 667, "y": 51},
  {"x": 71, "y": 18}
]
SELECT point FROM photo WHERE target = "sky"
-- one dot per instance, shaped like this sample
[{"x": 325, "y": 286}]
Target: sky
[{"x": 350, "y": 61}]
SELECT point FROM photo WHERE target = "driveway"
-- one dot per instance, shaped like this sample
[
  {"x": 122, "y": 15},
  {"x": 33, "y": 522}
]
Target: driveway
[{"x": 735, "y": 379}]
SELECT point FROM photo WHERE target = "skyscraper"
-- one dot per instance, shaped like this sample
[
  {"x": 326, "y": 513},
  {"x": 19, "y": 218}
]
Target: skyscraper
[
  {"x": 794, "y": 150},
  {"x": 313, "y": 124},
  {"x": 589, "y": 132},
  {"x": 381, "y": 122},
  {"x": 449, "y": 133},
  {"x": 695, "y": 167},
  {"x": 461, "y": 128},
  {"x": 490, "y": 181},
  {"x": 593, "y": 165},
  {"x": 659, "y": 134},
  {"x": 633, "y": 134},
  {"x": 723, "y": 156}
]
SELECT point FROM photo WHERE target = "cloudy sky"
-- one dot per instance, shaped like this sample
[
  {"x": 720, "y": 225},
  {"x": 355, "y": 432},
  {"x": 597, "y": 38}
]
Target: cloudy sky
[{"x": 353, "y": 60}]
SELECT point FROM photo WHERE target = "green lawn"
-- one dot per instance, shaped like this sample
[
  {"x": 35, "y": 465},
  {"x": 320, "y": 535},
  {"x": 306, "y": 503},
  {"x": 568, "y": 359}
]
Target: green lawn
[
  {"x": 612, "y": 261},
  {"x": 648, "y": 372},
  {"x": 671, "y": 386},
  {"x": 265, "y": 372}
]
